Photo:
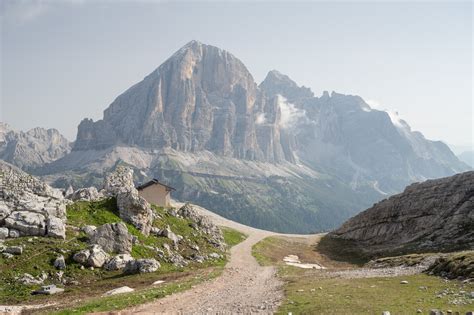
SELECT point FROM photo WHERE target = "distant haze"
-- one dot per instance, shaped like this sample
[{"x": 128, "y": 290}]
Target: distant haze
[{"x": 63, "y": 61}]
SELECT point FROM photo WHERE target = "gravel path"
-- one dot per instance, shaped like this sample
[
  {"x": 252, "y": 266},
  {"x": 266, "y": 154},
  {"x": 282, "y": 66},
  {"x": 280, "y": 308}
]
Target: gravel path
[{"x": 244, "y": 287}]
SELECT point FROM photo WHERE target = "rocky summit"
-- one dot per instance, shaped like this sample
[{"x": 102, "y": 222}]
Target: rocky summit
[
  {"x": 202, "y": 98},
  {"x": 436, "y": 215},
  {"x": 273, "y": 156}
]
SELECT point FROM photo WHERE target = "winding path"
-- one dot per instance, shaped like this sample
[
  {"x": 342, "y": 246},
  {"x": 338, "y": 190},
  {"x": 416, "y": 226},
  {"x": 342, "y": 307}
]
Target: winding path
[{"x": 244, "y": 287}]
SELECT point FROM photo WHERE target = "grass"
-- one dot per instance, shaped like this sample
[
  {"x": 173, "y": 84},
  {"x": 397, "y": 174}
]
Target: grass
[
  {"x": 232, "y": 237},
  {"x": 310, "y": 291},
  {"x": 40, "y": 253},
  {"x": 369, "y": 295},
  {"x": 146, "y": 295}
]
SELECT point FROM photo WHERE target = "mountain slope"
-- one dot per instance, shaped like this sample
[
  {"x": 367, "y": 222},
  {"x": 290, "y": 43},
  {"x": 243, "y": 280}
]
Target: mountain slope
[
  {"x": 271, "y": 156},
  {"x": 31, "y": 149},
  {"x": 436, "y": 215},
  {"x": 341, "y": 135}
]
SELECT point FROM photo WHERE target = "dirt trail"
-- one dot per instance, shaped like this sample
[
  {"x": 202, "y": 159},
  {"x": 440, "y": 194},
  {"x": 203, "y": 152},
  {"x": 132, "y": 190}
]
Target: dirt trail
[{"x": 244, "y": 287}]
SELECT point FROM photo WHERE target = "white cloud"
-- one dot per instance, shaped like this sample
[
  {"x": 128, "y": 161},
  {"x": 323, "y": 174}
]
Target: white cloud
[
  {"x": 261, "y": 119},
  {"x": 289, "y": 113}
]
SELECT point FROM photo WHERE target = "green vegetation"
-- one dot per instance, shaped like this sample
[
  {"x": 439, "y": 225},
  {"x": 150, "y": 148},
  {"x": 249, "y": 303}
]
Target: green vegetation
[
  {"x": 122, "y": 301},
  {"x": 455, "y": 265},
  {"x": 309, "y": 291},
  {"x": 83, "y": 286},
  {"x": 370, "y": 295},
  {"x": 232, "y": 237}
]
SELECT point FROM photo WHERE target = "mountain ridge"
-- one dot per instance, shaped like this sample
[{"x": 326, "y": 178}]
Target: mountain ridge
[{"x": 271, "y": 155}]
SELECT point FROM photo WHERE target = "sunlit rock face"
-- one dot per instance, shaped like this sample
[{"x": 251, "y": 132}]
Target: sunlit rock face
[{"x": 201, "y": 98}]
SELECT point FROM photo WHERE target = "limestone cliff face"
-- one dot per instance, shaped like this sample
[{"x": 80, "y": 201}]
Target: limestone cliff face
[
  {"x": 201, "y": 98},
  {"x": 435, "y": 215},
  {"x": 31, "y": 149}
]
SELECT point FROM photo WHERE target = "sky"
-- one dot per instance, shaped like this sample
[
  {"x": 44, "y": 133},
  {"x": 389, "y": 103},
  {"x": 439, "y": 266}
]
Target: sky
[{"x": 62, "y": 61}]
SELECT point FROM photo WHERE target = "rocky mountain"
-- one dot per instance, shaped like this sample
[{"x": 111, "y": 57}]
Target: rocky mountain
[
  {"x": 342, "y": 135},
  {"x": 272, "y": 156},
  {"x": 467, "y": 157},
  {"x": 436, "y": 215},
  {"x": 202, "y": 98},
  {"x": 31, "y": 149}
]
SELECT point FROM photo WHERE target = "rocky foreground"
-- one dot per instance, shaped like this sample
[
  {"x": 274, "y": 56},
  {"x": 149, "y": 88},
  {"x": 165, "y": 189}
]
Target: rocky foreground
[
  {"x": 54, "y": 241},
  {"x": 436, "y": 215}
]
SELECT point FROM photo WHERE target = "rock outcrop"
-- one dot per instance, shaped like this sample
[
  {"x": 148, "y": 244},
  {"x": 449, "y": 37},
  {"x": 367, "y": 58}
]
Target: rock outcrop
[
  {"x": 133, "y": 208},
  {"x": 31, "y": 149},
  {"x": 28, "y": 206},
  {"x": 113, "y": 238},
  {"x": 85, "y": 194},
  {"x": 436, "y": 215}
]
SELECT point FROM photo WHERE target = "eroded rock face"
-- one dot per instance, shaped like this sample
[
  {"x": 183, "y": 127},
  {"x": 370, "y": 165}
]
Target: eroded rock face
[
  {"x": 29, "y": 206},
  {"x": 436, "y": 215},
  {"x": 113, "y": 238},
  {"x": 202, "y": 98},
  {"x": 119, "y": 181},
  {"x": 133, "y": 208},
  {"x": 85, "y": 194}
]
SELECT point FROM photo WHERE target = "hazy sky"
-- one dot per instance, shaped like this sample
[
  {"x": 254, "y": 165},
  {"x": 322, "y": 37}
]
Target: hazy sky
[{"x": 62, "y": 61}]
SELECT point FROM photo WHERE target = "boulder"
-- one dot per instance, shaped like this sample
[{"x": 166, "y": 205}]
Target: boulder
[
  {"x": 113, "y": 238},
  {"x": 3, "y": 232},
  {"x": 86, "y": 194},
  {"x": 120, "y": 290},
  {"x": 82, "y": 256},
  {"x": 135, "y": 210},
  {"x": 49, "y": 290},
  {"x": 28, "y": 223},
  {"x": 119, "y": 181},
  {"x": 60, "y": 263},
  {"x": 118, "y": 262},
  {"x": 14, "y": 250},
  {"x": 97, "y": 257},
  {"x": 169, "y": 234},
  {"x": 141, "y": 266},
  {"x": 56, "y": 228},
  {"x": 28, "y": 279},
  {"x": 12, "y": 233},
  {"x": 89, "y": 229}
]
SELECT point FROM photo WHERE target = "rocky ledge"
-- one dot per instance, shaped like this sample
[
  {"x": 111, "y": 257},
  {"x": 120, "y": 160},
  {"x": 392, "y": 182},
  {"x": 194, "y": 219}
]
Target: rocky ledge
[
  {"x": 28, "y": 206},
  {"x": 436, "y": 215}
]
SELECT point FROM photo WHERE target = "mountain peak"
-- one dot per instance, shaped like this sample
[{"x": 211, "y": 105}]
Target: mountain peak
[{"x": 278, "y": 83}]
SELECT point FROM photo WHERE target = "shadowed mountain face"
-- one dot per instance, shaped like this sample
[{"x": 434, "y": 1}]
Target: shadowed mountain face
[
  {"x": 271, "y": 156},
  {"x": 436, "y": 215}
]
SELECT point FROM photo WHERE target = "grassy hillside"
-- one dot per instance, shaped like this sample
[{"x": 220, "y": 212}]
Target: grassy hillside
[
  {"x": 83, "y": 284},
  {"x": 310, "y": 291}
]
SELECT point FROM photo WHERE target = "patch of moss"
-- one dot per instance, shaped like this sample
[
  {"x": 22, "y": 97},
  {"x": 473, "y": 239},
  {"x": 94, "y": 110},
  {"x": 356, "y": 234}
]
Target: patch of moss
[{"x": 454, "y": 265}]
